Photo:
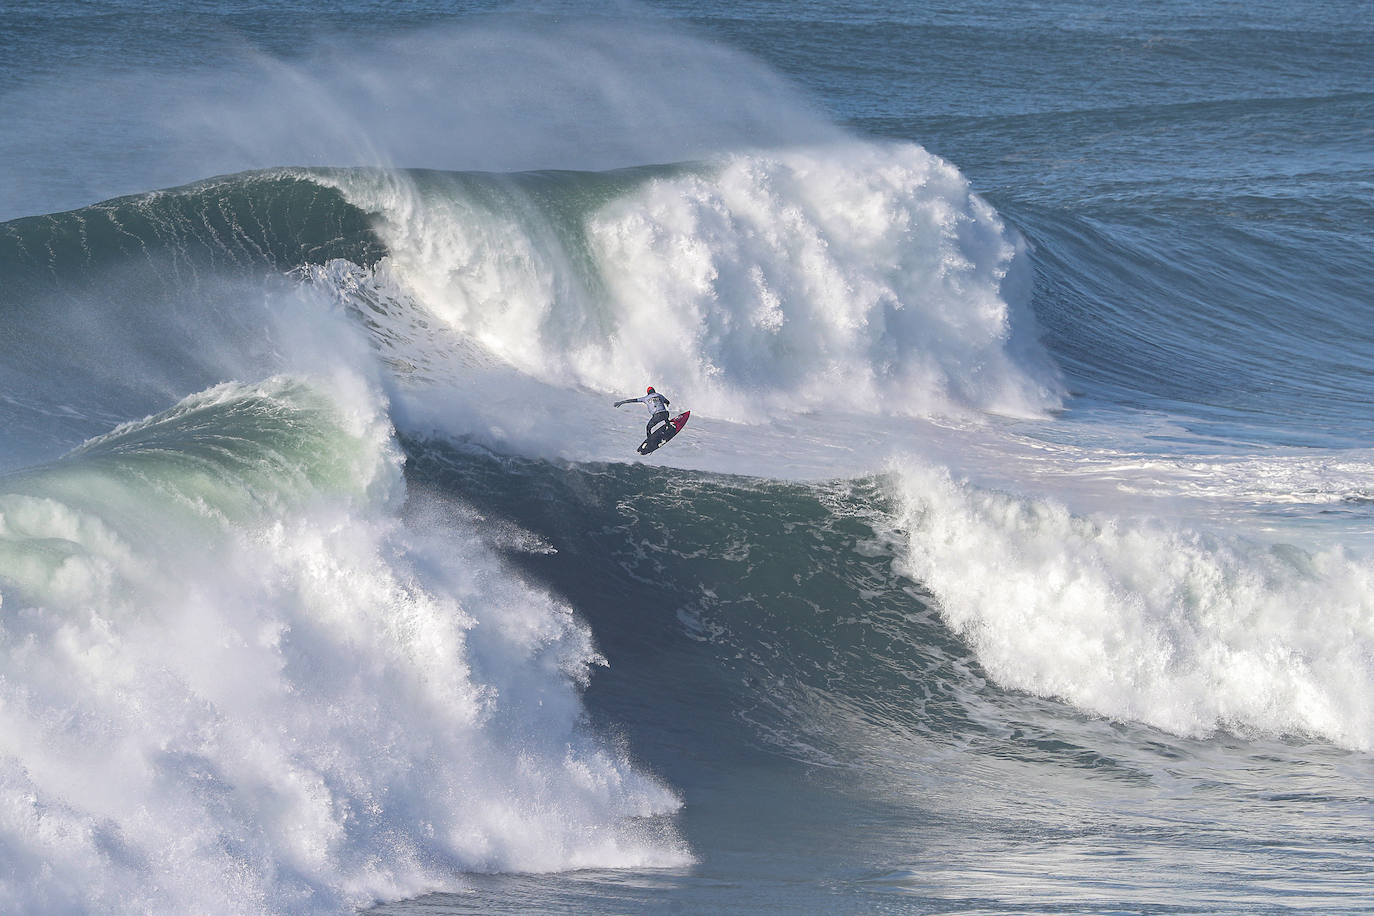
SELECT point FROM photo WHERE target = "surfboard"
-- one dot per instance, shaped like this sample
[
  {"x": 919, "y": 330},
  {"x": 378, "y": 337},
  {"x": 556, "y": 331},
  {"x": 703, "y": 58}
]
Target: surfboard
[{"x": 664, "y": 433}]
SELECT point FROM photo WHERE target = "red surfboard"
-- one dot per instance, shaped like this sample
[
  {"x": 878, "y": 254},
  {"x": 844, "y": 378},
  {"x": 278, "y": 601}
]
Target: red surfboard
[{"x": 664, "y": 433}]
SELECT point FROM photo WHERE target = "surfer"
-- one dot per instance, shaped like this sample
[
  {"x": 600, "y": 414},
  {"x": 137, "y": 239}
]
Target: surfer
[
  {"x": 658, "y": 408},
  {"x": 658, "y": 413}
]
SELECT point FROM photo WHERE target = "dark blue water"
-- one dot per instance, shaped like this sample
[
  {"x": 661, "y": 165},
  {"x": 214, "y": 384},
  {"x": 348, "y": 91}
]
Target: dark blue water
[{"x": 1015, "y": 558}]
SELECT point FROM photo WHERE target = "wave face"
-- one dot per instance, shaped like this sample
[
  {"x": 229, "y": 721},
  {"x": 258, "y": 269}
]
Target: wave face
[
  {"x": 898, "y": 729},
  {"x": 1256, "y": 307},
  {"x": 270, "y": 220},
  {"x": 117, "y": 309}
]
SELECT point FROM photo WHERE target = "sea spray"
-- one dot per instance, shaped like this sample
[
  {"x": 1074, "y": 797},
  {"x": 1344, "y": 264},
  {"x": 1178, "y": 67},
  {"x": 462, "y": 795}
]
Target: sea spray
[
  {"x": 506, "y": 94},
  {"x": 235, "y": 677}
]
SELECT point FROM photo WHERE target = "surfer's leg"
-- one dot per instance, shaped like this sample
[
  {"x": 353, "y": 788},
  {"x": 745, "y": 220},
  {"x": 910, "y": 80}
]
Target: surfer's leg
[{"x": 660, "y": 417}]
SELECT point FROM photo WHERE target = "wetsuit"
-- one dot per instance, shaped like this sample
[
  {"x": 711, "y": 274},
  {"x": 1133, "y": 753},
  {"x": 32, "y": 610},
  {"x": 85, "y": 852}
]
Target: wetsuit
[{"x": 658, "y": 410}]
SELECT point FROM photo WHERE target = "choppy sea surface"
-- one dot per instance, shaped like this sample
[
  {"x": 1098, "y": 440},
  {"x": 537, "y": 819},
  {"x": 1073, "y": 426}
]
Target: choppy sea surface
[{"x": 1016, "y": 558}]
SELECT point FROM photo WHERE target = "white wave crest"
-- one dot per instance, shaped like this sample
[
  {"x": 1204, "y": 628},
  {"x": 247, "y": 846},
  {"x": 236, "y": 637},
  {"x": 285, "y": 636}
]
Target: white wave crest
[
  {"x": 857, "y": 276},
  {"x": 1148, "y": 621},
  {"x": 861, "y": 276}
]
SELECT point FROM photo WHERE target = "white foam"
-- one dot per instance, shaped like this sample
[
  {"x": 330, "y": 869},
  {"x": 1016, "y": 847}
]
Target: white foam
[
  {"x": 856, "y": 276},
  {"x": 235, "y": 678},
  {"x": 1149, "y": 620}
]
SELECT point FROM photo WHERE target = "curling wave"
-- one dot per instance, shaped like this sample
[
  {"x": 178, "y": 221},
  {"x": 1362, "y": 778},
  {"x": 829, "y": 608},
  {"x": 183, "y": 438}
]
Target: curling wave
[
  {"x": 235, "y": 671},
  {"x": 1151, "y": 621},
  {"x": 855, "y": 276}
]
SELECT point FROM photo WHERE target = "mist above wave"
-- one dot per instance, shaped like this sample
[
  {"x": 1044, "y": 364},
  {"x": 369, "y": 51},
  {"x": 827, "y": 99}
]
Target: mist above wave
[{"x": 498, "y": 93}]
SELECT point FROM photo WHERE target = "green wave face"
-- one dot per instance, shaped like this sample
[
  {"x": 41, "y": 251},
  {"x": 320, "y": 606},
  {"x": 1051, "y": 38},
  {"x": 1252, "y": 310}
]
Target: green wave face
[
  {"x": 275, "y": 220},
  {"x": 122, "y": 308},
  {"x": 231, "y": 457}
]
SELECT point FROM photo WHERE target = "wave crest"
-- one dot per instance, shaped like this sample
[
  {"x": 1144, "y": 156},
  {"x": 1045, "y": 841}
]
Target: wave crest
[
  {"x": 857, "y": 276},
  {"x": 1163, "y": 624}
]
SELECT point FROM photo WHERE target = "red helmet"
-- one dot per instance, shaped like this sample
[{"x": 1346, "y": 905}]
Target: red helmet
[{"x": 649, "y": 390}]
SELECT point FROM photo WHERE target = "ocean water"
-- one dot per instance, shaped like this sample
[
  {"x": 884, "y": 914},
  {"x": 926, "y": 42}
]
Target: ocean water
[{"x": 1018, "y": 556}]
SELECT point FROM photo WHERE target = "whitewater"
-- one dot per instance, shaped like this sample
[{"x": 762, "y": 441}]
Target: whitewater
[{"x": 1016, "y": 558}]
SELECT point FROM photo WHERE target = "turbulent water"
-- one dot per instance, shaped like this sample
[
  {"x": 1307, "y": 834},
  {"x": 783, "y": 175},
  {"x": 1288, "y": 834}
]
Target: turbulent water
[{"x": 1017, "y": 556}]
